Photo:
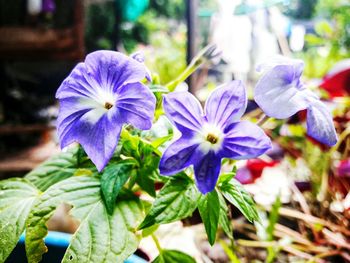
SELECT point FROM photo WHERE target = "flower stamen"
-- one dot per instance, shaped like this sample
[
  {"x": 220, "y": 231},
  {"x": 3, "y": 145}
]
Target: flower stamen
[
  {"x": 212, "y": 138},
  {"x": 108, "y": 105}
]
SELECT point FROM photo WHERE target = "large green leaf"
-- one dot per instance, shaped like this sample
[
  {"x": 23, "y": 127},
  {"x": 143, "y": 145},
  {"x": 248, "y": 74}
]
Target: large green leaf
[
  {"x": 177, "y": 200},
  {"x": 100, "y": 237},
  {"x": 113, "y": 178},
  {"x": 173, "y": 256},
  {"x": 16, "y": 200},
  {"x": 209, "y": 209},
  {"x": 234, "y": 192},
  {"x": 56, "y": 169}
]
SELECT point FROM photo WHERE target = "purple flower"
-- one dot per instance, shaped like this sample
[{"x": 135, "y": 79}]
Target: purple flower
[
  {"x": 48, "y": 6},
  {"x": 343, "y": 169},
  {"x": 281, "y": 94},
  {"x": 97, "y": 98},
  {"x": 210, "y": 136}
]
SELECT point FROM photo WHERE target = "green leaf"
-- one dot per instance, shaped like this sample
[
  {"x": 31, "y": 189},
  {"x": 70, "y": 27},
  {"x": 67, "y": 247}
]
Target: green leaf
[
  {"x": 113, "y": 178},
  {"x": 57, "y": 168},
  {"x": 209, "y": 209},
  {"x": 226, "y": 177},
  {"x": 224, "y": 221},
  {"x": 160, "y": 141},
  {"x": 229, "y": 252},
  {"x": 17, "y": 197},
  {"x": 314, "y": 40},
  {"x": 100, "y": 237},
  {"x": 234, "y": 192},
  {"x": 323, "y": 28},
  {"x": 148, "y": 159},
  {"x": 173, "y": 256},
  {"x": 146, "y": 183},
  {"x": 273, "y": 218},
  {"x": 177, "y": 200}
]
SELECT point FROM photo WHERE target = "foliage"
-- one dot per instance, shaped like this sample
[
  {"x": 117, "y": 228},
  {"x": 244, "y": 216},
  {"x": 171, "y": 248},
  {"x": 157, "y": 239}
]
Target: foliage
[
  {"x": 110, "y": 204},
  {"x": 331, "y": 41}
]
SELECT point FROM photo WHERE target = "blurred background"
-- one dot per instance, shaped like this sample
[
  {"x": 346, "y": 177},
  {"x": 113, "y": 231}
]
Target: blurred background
[{"x": 42, "y": 40}]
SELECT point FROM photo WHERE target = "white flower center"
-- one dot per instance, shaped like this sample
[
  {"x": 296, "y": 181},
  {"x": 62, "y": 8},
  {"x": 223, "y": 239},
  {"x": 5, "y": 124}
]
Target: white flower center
[
  {"x": 99, "y": 105},
  {"x": 105, "y": 98},
  {"x": 210, "y": 138}
]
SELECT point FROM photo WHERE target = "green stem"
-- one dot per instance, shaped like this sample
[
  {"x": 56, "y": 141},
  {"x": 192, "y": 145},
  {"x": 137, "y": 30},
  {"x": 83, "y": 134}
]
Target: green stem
[
  {"x": 192, "y": 67},
  {"x": 205, "y": 55},
  {"x": 342, "y": 137},
  {"x": 322, "y": 194},
  {"x": 156, "y": 242}
]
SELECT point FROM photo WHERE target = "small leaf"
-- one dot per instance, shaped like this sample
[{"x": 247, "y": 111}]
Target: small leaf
[
  {"x": 234, "y": 192},
  {"x": 177, "y": 200},
  {"x": 273, "y": 218},
  {"x": 160, "y": 141},
  {"x": 100, "y": 237},
  {"x": 17, "y": 197},
  {"x": 224, "y": 221},
  {"x": 57, "y": 168},
  {"x": 209, "y": 209},
  {"x": 113, "y": 178},
  {"x": 146, "y": 183},
  {"x": 226, "y": 177},
  {"x": 173, "y": 256}
]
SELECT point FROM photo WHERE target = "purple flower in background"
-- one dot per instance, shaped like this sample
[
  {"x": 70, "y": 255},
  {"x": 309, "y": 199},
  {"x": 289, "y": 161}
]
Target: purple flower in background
[
  {"x": 343, "y": 169},
  {"x": 280, "y": 94},
  {"x": 48, "y": 6},
  {"x": 210, "y": 136},
  {"x": 97, "y": 98}
]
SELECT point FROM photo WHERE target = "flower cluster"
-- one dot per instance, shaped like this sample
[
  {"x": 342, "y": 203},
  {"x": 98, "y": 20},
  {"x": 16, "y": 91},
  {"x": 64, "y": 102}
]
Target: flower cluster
[{"x": 105, "y": 92}]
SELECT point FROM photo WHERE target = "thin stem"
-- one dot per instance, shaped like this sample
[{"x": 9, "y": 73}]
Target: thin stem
[
  {"x": 156, "y": 242},
  {"x": 183, "y": 76},
  {"x": 322, "y": 194},
  {"x": 342, "y": 137},
  {"x": 263, "y": 119}
]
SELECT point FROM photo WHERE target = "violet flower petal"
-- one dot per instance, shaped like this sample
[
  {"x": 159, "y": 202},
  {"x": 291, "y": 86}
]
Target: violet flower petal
[
  {"x": 178, "y": 156},
  {"x": 269, "y": 64},
  {"x": 278, "y": 92},
  {"x": 320, "y": 123},
  {"x": 206, "y": 171},
  {"x": 98, "y": 135},
  {"x": 112, "y": 69},
  {"x": 244, "y": 140},
  {"x": 184, "y": 111},
  {"x": 136, "y": 105},
  {"x": 226, "y": 104}
]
